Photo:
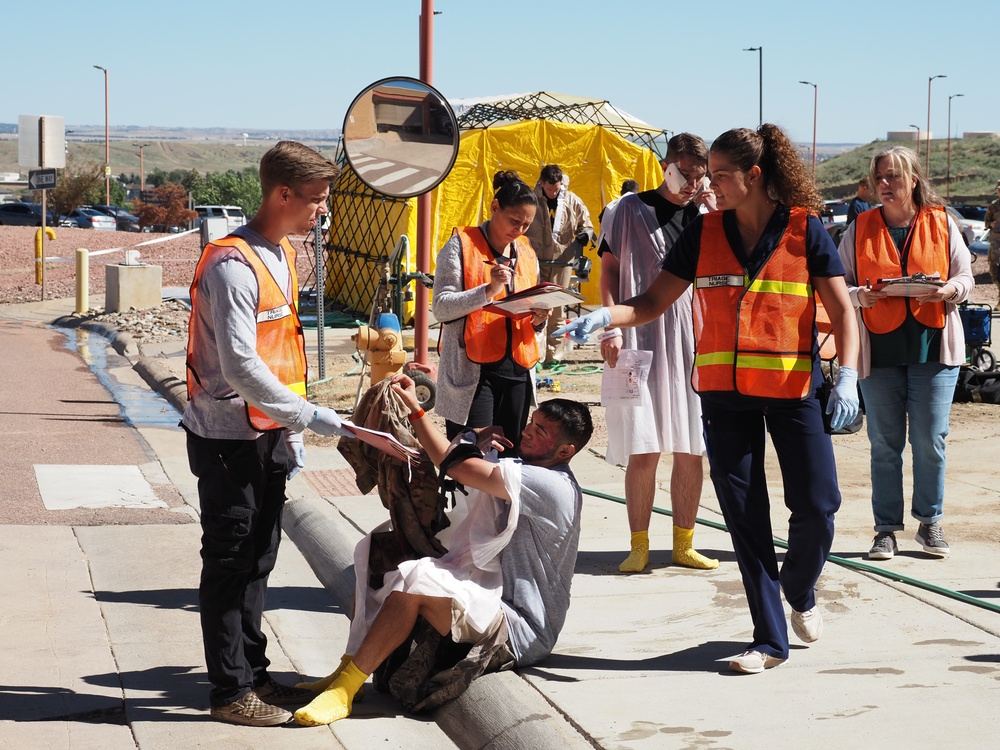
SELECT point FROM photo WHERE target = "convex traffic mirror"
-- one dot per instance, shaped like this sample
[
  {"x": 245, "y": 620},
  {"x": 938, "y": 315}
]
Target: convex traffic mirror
[{"x": 401, "y": 137}]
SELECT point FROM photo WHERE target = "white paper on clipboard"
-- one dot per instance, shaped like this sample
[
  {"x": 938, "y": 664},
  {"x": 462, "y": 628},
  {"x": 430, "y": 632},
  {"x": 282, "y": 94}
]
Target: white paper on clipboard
[{"x": 625, "y": 383}]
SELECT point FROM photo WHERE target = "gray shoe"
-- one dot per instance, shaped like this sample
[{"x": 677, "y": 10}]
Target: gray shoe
[
  {"x": 251, "y": 711},
  {"x": 931, "y": 538},
  {"x": 884, "y": 546}
]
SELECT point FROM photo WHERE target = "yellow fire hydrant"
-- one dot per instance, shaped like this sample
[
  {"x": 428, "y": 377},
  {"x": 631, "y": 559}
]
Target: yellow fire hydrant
[{"x": 384, "y": 346}]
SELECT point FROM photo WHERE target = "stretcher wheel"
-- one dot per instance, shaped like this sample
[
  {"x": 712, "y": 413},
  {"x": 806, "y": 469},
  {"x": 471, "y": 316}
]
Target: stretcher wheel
[{"x": 983, "y": 359}]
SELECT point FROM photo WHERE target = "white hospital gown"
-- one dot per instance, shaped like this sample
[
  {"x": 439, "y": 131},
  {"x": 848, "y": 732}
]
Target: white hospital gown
[{"x": 673, "y": 425}]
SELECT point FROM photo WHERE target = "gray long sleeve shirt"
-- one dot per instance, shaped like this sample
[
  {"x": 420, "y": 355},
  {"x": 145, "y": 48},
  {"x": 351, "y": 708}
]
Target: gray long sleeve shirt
[{"x": 231, "y": 371}]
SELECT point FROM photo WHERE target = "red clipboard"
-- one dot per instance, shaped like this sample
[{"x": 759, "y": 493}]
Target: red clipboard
[{"x": 542, "y": 296}]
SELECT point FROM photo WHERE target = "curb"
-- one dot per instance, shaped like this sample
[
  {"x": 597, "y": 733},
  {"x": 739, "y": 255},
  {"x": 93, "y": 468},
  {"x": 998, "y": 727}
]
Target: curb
[{"x": 500, "y": 711}]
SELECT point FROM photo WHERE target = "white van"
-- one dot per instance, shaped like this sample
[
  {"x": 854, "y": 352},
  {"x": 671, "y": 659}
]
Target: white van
[{"x": 233, "y": 214}]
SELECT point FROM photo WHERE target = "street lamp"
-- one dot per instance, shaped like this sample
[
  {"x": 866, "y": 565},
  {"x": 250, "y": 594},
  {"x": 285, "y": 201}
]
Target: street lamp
[
  {"x": 142, "y": 169},
  {"x": 918, "y": 139},
  {"x": 815, "y": 102},
  {"x": 927, "y": 164},
  {"x": 107, "y": 142},
  {"x": 760, "y": 82},
  {"x": 948, "y": 182}
]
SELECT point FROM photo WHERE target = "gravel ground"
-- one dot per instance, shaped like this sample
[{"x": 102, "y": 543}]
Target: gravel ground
[{"x": 176, "y": 254}]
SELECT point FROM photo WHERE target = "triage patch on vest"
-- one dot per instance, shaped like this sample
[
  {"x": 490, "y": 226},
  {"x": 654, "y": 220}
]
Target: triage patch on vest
[
  {"x": 707, "y": 282},
  {"x": 275, "y": 313}
]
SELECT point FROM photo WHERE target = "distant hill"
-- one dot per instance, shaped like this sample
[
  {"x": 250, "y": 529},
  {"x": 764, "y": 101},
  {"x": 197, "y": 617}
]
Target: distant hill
[
  {"x": 975, "y": 163},
  {"x": 975, "y": 168}
]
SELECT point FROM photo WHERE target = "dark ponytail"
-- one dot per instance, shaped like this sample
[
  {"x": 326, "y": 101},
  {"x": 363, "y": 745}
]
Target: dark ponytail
[{"x": 510, "y": 190}]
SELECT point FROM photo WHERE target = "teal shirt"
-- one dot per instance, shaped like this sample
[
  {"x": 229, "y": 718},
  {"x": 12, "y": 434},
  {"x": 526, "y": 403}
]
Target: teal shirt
[{"x": 912, "y": 343}]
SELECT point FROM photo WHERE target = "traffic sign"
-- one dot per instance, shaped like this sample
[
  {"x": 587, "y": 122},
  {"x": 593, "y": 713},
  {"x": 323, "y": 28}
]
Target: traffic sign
[{"x": 42, "y": 179}]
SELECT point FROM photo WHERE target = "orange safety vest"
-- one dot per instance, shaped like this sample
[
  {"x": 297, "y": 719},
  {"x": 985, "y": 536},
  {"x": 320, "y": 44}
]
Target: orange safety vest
[
  {"x": 754, "y": 335},
  {"x": 876, "y": 257},
  {"x": 280, "y": 341},
  {"x": 485, "y": 332}
]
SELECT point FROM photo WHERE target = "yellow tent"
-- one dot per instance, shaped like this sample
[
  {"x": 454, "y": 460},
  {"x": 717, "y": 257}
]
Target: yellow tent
[{"x": 596, "y": 159}]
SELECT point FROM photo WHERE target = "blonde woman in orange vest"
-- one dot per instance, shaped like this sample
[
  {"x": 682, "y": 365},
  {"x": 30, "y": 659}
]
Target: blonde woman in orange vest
[
  {"x": 911, "y": 348},
  {"x": 486, "y": 373},
  {"x": 755, "y": 266}
]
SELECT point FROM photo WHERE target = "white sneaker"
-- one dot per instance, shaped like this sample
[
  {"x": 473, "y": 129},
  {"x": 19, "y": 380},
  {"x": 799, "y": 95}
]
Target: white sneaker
[
  {"x": 754, "y": 662},
  {"x": 808, "y": 625}
]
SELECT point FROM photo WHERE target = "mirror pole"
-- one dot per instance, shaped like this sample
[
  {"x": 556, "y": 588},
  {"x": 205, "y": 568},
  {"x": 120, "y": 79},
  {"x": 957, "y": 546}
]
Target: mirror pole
[{"x": 420, "y": 335}]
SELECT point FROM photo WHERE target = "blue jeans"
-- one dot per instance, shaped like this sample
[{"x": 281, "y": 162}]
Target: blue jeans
[{"x": 921, "y": 394}]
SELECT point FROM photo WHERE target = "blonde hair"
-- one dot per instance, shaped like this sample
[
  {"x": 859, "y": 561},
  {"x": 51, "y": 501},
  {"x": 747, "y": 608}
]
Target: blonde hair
[{"x": 905, "y": 162}]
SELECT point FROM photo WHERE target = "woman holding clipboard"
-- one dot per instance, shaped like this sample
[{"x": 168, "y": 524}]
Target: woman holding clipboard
[
  {"x": 911, "y": 346},
  {"x": 486, "y": 372}
]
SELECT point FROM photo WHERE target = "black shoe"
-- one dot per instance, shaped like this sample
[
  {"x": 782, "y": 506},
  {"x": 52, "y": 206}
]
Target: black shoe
[{"x": 276, "y": 694}]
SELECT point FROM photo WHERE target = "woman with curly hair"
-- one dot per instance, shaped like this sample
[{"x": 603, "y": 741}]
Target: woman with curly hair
[
  {"x": 755, "y": 266},
  {"x": 911, "y": 349}
]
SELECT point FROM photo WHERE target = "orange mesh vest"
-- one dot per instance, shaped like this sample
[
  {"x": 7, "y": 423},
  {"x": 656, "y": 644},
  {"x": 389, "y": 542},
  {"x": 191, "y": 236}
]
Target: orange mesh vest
[
  {"x": 485, "y": 333},
  {"x": 876, "y": 257},
  {"x": 753, "y": 336},
  {"x": 280, "y": 341}
]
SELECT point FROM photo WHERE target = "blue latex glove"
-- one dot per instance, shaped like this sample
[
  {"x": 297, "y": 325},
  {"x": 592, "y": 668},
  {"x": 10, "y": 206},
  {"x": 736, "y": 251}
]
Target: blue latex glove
[
  {"x": 580, "y": 328},
  {"x": 296, "y": 452},
  {"x": 843, "y": 403},
  {"x": 327, "y": 422}
]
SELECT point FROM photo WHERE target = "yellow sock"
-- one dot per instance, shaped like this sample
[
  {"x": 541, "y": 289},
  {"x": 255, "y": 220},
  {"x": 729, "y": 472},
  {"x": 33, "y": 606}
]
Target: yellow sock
[
  {"x": 684, "y": 554},
  {"x": 639, "y": 557},
  {"x": 336, "y": 701},
  {"x": 320, "y": 685}
]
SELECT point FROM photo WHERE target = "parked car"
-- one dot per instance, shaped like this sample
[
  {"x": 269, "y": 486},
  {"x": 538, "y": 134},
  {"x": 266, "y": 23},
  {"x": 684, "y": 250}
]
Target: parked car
[
  {"x": 977, "y": 213},
  {"x": 972, "y": 229},
  {"x": 835, "y": 212},
  {"x": 125, "y": 221},
  {"x": 24, "y": 215},
  {"x": 234, "y": 214},
  {"x": 981, "y": 246},
  {"x": 88, "y": 218}
]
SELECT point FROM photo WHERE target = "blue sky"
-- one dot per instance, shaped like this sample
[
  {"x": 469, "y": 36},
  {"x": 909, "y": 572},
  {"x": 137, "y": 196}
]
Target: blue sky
[{"x": 297, "y": 64}]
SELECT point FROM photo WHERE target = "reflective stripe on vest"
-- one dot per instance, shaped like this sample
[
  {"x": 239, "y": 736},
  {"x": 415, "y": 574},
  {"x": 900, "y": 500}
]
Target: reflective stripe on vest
[
  {"x": 876, "y": 257},
  {"x": 280, "y": 341},
  {"x": 754, "y": 336},
  {"x": 485, "y": 333}
]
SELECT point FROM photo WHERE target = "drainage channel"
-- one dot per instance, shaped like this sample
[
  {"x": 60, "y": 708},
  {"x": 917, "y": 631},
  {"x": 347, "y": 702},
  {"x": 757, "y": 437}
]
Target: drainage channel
[{"x": 141, "y": 407}]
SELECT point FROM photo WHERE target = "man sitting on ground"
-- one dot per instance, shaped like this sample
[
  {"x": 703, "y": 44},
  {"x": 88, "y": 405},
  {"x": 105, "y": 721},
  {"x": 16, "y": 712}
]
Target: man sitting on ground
[{"x": 532, "y": 504}]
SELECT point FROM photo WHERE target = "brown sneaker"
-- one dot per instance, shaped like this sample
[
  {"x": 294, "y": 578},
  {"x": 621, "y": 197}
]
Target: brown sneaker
[
  {"x": 276, "y": 694},
  {"x": 251, "y": 711}
]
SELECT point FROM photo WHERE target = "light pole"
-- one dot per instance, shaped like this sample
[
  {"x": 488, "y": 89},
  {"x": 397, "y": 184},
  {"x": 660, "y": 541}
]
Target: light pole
[
  {"x": 918, "y": 139},
  {"x": 107, "y": 142},
  {"x": 142, "y": 168},
  {"x": 948, "y": 181},
  {"x": 815, "y": 102},
  {"x": 927, "y": 163},
  {"x": 760, "y": 82}
]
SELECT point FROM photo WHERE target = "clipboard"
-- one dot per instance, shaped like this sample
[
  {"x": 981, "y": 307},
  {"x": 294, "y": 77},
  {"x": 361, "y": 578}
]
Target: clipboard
[
  {"x": 908, "y": 286},
  {"x": 542, "y": 296},
  {"x": 385, "y": 442}
]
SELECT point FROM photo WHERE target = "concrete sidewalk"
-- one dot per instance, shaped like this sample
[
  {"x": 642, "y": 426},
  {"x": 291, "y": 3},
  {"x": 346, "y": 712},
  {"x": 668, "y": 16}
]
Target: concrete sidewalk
[{"x": 641, "y": 662}]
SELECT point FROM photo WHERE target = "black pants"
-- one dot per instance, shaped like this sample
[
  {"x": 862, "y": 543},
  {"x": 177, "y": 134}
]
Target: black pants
[
  {"x": 499, "y": 400},
  {"x": 242, "y": 493}
]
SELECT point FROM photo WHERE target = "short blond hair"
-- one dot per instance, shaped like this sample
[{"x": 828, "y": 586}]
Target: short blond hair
[{"x": 293, "y": 164}]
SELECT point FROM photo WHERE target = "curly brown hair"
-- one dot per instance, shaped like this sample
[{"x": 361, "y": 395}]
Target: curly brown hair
[{"x": 785, "y": 176}]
